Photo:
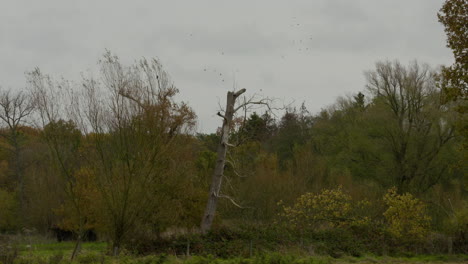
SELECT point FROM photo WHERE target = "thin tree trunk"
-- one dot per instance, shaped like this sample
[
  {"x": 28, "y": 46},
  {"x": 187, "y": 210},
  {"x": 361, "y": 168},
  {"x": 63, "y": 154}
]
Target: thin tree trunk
[
  {"x": 116, "y": 247},
  {"x": 18, "y": 169},
  {"x": 77, "y": 248},
  {"x": 217, "y": 178},
  {"x": 79, "y": 239}
]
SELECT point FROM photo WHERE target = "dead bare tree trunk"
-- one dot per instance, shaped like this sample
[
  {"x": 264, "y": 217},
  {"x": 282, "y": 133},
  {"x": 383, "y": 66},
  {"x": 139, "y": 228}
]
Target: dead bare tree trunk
[{"x": 218, "y": 173}]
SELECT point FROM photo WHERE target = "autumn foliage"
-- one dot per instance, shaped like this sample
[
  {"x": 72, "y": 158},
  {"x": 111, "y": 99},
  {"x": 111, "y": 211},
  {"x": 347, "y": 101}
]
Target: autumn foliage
[{"x": 118, "y": 154}]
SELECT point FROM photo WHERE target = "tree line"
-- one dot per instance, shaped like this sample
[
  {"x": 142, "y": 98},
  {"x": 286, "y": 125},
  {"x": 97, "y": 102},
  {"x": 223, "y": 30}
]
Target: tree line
[{"x": 118, "y": 154}]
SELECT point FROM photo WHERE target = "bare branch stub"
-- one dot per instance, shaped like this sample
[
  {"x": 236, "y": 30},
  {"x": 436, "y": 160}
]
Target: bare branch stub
[
  {"x": 241, "y": 91},
  {"x": 220, "y": 115}
]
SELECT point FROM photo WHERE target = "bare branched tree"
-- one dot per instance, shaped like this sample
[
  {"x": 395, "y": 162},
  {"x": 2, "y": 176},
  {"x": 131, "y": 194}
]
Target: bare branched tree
[
  {"x": 135, "y": 127},
  {"x": 246, "y": 104},
  {"x": 15, "y": 107},
  {"x": 52, "y": 99},
  {"x": 418, "y": 127}
]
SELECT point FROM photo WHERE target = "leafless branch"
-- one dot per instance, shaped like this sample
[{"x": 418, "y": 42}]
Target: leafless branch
[
  {"x": 267, "y": 102},
  {"x": 14, "y": 108},
  {"x": 234, "y": 169},
  {"x": 229, "y": 182},
  {"x": 233, "y": 201},
  {"x": 228, "y": 144},
  {"x": 221, "y": 115}
]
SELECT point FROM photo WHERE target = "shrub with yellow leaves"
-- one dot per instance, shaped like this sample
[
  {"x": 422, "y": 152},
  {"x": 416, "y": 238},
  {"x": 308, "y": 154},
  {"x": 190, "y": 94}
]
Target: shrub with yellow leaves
[
  {"x": 328, "y": 209},
  {"x": 405, "y": 217}
]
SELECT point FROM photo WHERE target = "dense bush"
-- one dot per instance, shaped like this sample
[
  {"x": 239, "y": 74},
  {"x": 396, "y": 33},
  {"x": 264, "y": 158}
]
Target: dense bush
[
  {"x": 222, "y": 241},
  {"x": 330, "y": 208},
  {"x": 247, "y": 240},
  {"x": 406, "y": 218}
]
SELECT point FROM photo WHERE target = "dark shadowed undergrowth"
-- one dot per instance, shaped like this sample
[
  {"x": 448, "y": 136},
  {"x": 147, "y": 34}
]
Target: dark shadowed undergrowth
[{"x": 270, "y": 258}]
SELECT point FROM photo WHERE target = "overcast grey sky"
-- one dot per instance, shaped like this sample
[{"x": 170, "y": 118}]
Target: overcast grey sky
[{"x": 311, "y": 51}]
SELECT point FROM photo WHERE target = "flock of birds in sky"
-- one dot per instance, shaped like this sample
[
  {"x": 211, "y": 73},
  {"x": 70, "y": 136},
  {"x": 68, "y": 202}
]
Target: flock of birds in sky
[{"x": 301, "y": 45}]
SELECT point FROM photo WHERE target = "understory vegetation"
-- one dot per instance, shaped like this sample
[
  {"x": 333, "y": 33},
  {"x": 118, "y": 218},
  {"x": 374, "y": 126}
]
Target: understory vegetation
[{"x": 94, "y": 253}]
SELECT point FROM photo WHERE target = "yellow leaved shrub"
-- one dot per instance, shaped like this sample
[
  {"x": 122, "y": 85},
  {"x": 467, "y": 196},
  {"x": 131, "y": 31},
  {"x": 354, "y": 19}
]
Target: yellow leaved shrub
[
  {"x": 328, "y": 209},
  {"x": 405, "y": 217}
]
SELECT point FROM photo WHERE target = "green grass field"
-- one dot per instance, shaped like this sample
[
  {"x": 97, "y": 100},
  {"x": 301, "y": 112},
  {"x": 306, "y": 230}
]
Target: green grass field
[
  {"x": 55, "y": 253},
  {"x": 50, "y": 249}
]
